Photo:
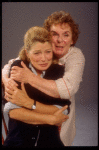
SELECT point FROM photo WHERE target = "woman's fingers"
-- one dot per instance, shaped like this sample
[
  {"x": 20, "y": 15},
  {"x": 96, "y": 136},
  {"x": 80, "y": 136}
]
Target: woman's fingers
[
  {"x": 10, "y": 88},
  {"x": 15, "y": 68},
  {"x": 13, "y": 72},
  {"x": 22, "y": 87},
  {"x": 10, "y": 91},
  {"x": 7, "y": 95},
  {"x": 62, "y": 109},
  {"x": 7, "y": 98},
  {"x": 11, "y": 83},
  {"x": 23, "y": 65}
]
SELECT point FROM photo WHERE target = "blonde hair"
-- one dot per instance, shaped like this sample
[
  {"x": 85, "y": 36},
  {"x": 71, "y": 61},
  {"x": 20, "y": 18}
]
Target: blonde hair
[
  {"x": 60, "y": 18},
  {"x": 34, "y": 34}
]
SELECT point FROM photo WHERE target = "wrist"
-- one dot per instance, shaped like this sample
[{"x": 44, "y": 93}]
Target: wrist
[
  {"x": 51, "y": 120},
  {"x": 29, "y": 103},
  {"x": 31, "y": 79}
]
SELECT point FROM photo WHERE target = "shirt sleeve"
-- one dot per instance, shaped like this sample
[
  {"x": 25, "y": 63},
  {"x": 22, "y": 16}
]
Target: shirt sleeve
[
  {"x": 8, "y": 106},
  {"x": 74, "y": 67},
  {"x": 65, "y": 112},
  {"x": 6, "y": 68}
]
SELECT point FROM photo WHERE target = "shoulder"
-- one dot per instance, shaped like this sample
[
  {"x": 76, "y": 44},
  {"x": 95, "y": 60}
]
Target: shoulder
[
  {"x": 56, "y": 68},
  {"x": 75, "y": 55},
  {"x": 77, "y": 52},
  {"x": 18, "y": 63},
  {"x": 15, "y": 63},
  {"x": 54, "y": 72}
]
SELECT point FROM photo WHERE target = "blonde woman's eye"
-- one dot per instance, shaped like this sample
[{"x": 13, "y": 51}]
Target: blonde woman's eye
[
  {"x": 36, "y": 53},
  {"x": 48, "y": 51}
]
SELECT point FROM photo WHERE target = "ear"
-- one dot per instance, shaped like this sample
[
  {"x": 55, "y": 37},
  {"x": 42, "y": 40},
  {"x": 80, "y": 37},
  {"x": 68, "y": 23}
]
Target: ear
[
  {"x": 26, "y": 52},
  {"x": 72, "y": 42},
  {"x": 27, "y": 55}
]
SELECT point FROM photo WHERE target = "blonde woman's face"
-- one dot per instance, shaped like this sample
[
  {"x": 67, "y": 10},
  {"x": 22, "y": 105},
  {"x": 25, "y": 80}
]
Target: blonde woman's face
[
  {"x": 40, "y": 56},
  {"x": 61, "y": 39}
]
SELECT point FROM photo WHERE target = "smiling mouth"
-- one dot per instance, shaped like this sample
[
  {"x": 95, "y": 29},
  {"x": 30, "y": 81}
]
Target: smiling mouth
[{"x": 59, "y": 47}]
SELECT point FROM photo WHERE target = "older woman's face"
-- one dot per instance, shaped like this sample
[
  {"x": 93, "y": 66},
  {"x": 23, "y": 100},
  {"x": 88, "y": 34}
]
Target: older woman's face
[
  {"x": 40, "y": 56},
  {"x": 61, "y": 39}
]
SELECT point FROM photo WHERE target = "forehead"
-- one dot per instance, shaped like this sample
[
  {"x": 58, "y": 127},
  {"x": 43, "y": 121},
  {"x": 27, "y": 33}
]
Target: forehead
[
  {"x": 61, "y": 27},
  {"x": 40, "y": 46}
]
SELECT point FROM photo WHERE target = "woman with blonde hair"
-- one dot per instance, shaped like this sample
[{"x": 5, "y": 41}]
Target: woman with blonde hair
[{"x": 35, "y": 123}]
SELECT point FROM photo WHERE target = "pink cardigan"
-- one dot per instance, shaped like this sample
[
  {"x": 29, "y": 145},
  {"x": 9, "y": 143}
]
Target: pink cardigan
[{"x": 74, "y": 62}]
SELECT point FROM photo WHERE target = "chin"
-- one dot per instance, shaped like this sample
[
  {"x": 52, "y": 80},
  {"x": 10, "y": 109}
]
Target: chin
[
  {"x": 60, "y": 54},
  {"x": 44, "y": 68}
]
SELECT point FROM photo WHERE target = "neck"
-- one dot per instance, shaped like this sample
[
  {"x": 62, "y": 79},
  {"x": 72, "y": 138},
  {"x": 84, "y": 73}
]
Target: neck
[{"x": 38, "y": 72}]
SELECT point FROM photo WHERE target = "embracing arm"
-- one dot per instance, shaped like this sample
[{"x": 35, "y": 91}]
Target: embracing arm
[
  {"x": 20, "y": 98},
  {"x": 62, "y": 88},
  {"x": 48, "y": 87},
  {"x": 44, "y": 114},
  {"x": 29, "y": 116},
  {"x": 32, "y": 117},
  {"x": 68, "y": 85},
  {"x": 5, "y": 72}
]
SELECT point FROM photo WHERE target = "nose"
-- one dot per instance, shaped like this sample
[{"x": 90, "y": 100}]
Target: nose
[
  {"x": 43, "y": 57},
  {"x": 59, "y": 39}
]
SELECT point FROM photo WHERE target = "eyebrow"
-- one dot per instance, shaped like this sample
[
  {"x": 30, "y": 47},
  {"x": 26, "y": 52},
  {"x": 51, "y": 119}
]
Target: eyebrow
[
  {"x": 40, "y": 50},
  {"x": 49, "y": 49},
  {"x": 36, "y": 51},
  {"x": 63, "y": 33},
  {"x": 67, "y": 31}
]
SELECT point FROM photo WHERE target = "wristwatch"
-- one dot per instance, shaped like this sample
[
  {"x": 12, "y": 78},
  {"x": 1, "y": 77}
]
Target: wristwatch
[{"x": 34, "y": 105}]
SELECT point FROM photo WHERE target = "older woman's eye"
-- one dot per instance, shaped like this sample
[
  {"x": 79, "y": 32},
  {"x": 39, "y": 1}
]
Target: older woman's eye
[{"x": 54, "y": 34}]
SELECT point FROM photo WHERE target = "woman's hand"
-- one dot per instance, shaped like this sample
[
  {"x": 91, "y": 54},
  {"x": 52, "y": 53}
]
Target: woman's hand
[
  {"x": 59, "y": 117},
  {"x": 9, "y": 83},
  {"x": 21, "y": 74},
  {"x": 18, "y": 97}
]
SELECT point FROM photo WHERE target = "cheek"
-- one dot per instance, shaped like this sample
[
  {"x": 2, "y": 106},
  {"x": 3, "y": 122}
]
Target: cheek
[
  {"x": 34, "y": 59},
  {"x": 53, "y": 47},
  {"x": 54, "y": 40},
  {"x": 67, "y": 42},
  {"x": 49, "y": 57}
]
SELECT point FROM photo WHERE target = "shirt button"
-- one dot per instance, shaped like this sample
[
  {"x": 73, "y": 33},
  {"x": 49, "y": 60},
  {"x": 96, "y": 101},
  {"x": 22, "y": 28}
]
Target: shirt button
[{"x": 33, "y": 138}]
